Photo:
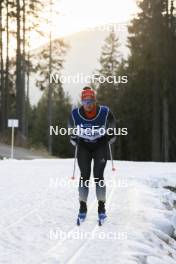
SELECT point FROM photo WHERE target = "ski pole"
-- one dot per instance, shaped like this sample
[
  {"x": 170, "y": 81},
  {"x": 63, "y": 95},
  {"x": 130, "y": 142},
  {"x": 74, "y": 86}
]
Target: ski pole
[
  {"x": 74, "y": 168},
  {"x": 112, "y": 162}
]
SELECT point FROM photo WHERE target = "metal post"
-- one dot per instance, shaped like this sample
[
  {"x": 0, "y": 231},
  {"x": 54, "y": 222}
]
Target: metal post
[{"x": 12, "y": 143}]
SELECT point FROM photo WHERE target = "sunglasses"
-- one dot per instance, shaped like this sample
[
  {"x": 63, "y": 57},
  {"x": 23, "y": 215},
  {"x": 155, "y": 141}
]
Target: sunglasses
[{"x": 88, "y": 101}]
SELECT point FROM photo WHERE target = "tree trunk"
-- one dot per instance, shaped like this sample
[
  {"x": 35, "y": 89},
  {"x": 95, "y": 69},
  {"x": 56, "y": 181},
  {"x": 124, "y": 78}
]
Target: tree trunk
[
  {"x": 50, "y": 99},
  {"x": 24, "y": 72},
  {"x": 165, "y": 129},
  {"x": 7, "y": 64},
  {"x": 50, "y": 86},
  {"x": 20, "y": 92},
  {"x": 156, "y": 121},
  {"x": 2, "y": 90}
]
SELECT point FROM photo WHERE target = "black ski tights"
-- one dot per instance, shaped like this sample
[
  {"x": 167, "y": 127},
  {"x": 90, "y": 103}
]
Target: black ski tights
[{"x": 97, "y": 152}]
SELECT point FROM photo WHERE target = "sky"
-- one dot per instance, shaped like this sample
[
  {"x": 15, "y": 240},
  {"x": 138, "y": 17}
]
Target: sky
[
  {"x": 70, "y": 16},
  {"x": 80, "y": 14}
]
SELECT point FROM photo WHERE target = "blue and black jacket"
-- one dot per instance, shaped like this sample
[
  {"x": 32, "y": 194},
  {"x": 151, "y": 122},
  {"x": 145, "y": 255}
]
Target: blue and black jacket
[{"x": 103, "y": 120}]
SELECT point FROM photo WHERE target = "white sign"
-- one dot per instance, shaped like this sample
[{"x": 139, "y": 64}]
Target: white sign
[{"x": 12, "y": 122}]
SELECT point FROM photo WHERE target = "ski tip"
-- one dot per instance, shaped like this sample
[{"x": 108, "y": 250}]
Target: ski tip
[{"x": 78, "y": 222}]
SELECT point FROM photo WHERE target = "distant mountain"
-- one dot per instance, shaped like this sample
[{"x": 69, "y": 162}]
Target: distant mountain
[{"x": 83, "y": 56}]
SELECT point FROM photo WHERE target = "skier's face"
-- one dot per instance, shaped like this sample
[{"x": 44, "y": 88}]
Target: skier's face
[{"x": 88, "y": 104}]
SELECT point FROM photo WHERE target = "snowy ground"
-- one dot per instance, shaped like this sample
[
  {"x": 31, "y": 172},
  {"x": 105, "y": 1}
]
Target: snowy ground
[{"x": 39, "y": 207}]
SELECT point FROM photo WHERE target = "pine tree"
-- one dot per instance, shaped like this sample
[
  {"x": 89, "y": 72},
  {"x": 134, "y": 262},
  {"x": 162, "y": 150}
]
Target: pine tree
[
  {"x": 61, "y": 108},
  {"x": 18, "y": 18},
  {"x": 109, "y": 62},
  {"x": 150, "y": 72},
  {"x": 53, "y": 92}
]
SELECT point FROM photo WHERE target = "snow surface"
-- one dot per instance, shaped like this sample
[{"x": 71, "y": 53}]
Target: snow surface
[{"x": 39, "y": 205}]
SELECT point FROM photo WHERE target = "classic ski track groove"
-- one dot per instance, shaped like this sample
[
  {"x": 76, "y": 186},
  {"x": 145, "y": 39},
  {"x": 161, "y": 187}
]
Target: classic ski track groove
[
  {"x": 60, "y": 243},
  {"x": 21, "y": 218},
  {"x": 81, "y": 247}
]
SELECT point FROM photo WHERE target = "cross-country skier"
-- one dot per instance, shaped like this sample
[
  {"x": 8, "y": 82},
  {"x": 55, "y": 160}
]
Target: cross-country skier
[{"x": 92, "y": 145}]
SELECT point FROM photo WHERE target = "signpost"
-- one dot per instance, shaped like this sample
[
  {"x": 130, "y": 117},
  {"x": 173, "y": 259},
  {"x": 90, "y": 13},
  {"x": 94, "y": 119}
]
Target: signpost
[{"x": 12, "y": 123}]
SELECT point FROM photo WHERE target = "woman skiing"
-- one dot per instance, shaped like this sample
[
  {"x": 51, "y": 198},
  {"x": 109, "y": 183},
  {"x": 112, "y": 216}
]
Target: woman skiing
[{"x": 92, "y": 144}]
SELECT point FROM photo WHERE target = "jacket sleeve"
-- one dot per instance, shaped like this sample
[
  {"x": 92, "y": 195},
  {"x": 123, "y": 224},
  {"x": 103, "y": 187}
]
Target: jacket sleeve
[
  {"x": 73, "y": 138},
  {"x": 111, "y": 123}
]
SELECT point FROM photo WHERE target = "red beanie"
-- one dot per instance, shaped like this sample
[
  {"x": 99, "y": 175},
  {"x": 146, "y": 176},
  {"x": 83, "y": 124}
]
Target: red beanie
[{"x": 88, "y": 93}]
